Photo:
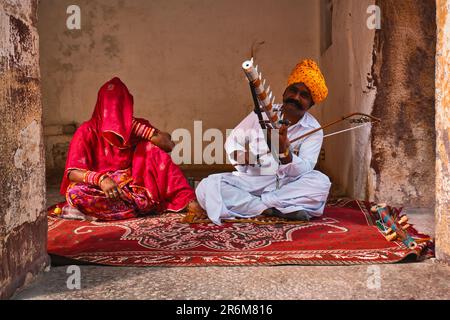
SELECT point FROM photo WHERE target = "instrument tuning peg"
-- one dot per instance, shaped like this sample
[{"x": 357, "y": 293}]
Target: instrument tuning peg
[
  {"x": 403, "y": 220},
  {"x": 391, "y": 237}
]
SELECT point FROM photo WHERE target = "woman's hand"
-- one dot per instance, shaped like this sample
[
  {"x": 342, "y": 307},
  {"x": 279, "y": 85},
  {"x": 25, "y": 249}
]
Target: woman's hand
[
  {"x": 163, "y": 140},
  {"x": 111, "y": 189}
]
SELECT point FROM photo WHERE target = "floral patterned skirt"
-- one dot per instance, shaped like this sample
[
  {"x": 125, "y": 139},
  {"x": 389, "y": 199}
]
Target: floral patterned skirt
[{"x": 92, "y": 201}]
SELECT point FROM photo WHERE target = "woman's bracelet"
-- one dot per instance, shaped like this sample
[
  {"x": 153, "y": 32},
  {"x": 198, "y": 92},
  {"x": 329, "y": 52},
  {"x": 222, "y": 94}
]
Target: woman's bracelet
[
  {"x": 143, "y": 131},
  {"x": 103, "y": 177},
  {"x": 92, "y": 177}
]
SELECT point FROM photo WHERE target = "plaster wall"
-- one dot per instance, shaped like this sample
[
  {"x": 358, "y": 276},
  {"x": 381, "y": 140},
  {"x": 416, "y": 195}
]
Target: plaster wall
[
  {"x": 180, "y": 59},
  {"x": 347, "y": 65}
]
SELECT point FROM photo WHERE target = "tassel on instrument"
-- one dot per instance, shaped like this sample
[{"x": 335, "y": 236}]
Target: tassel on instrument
[{"x": 394, "y": 229}]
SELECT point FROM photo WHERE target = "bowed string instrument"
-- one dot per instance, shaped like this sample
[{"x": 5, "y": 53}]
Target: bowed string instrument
[{"x": 264, "y": 101}]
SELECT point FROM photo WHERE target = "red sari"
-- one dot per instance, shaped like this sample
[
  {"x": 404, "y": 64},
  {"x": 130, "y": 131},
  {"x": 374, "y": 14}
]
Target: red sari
[{"x": 107, "y": 144}]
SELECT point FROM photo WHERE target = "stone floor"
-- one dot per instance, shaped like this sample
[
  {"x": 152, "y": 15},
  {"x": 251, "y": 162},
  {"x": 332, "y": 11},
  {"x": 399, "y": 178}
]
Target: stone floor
[{"x": 425, "y": 280}]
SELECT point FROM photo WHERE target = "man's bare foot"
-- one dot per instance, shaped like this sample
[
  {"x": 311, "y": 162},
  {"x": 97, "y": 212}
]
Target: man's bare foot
[
  {"x": 194, "y": 213},
  {"x": 300, "y": 215},
  {"x": 194, "y": 207}
]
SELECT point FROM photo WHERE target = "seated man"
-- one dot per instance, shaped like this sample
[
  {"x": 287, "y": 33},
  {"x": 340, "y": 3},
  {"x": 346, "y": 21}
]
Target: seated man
[
  {"x": 118, "y": 167},
  {"x": 287, "y": 187}
]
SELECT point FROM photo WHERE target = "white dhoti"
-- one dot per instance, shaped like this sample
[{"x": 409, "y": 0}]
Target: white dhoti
[{"x": 236, "y": 195}]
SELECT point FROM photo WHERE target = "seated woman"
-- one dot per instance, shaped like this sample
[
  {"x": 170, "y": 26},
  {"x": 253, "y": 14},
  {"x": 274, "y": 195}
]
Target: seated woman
[{"x": 118, "y": 167}]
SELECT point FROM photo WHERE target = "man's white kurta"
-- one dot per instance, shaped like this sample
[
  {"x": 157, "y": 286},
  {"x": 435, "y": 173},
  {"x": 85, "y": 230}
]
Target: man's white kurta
[{"x": 250, "y": 190}]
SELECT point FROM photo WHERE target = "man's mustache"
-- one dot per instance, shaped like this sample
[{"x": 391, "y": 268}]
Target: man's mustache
[{"x": 294, "y": 102}]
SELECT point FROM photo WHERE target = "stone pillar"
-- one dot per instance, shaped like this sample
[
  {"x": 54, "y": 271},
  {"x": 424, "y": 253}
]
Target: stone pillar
[
  {"x": 403, "y": 145},
  {"x": 443, "y": 131},
  {"x": 23, "y": 222}
]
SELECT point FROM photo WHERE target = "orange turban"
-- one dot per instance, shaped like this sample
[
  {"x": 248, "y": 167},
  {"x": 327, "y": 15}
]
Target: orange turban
[{"x": 309, "y": 73}]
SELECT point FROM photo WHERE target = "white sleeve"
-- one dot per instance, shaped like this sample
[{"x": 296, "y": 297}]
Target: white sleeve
[
  {"x": 239, "y": 135},
  {"x": 307, "y": 158}
]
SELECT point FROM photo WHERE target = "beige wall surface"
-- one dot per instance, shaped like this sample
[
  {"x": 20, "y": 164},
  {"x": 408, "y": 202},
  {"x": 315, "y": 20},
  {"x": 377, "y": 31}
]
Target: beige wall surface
[
  {"x": 180, "y": 59},
  {"x": 347, "y": 67}
]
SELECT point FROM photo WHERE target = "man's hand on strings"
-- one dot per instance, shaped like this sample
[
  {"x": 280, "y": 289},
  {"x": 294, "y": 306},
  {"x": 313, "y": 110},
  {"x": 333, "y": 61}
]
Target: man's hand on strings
[
  {"x": 283, "y": 140},
  {"x": 283, "y": 143}
]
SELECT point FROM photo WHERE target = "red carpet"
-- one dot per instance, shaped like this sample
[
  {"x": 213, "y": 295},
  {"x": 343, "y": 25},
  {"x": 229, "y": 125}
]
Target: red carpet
[{"x": 346, "y": 234}]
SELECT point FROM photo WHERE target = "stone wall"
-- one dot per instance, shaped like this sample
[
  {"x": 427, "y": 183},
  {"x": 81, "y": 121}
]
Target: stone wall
[
  {"x": 403, "y": 147},
  {"x": 23, "y": 221},
  {"x": 388, "y": 73},
  {"x": 443, "y": 132}
]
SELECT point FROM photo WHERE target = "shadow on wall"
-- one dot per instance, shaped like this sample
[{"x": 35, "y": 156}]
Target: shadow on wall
[{"x": 57, "y": 139}]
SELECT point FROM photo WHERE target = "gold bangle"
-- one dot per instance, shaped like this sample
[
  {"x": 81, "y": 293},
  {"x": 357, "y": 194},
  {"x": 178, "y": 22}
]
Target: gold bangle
[
  {"x": 85, "y": 173},
  {"x": 103, "y": 177},
  {"x": 284, "y": 155}
]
